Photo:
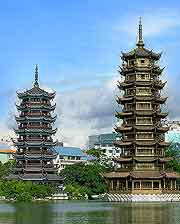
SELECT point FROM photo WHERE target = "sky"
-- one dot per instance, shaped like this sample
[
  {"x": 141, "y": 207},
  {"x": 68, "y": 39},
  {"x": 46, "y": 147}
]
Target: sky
[{"x": 77, "y": 45}]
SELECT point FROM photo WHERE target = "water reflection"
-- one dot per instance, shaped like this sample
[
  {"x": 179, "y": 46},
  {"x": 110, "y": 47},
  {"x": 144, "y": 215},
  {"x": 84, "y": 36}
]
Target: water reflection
[
  {"x": 90, "y": 213},
  {"x": 32, "y": 213}
]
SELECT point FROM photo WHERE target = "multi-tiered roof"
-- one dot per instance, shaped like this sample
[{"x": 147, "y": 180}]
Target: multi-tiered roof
[
  {"x": 34, "y": 143},
  {"x": 142, "y": 162}
]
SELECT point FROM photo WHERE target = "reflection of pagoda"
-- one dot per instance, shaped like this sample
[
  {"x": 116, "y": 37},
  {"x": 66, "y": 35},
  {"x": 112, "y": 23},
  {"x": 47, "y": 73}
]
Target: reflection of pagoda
[
  {"x": 141, "y": 166},
  {"x": 34, "y": 144}
]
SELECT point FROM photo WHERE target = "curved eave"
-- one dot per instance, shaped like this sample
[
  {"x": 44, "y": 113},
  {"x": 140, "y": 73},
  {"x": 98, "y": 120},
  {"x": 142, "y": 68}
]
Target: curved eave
[
  {"x": 124, "y": 99},
  {"x": 161, "y": 99},
  {"x": 162, "y": 115},
  {"x": 141, "y": 53},
  {"x": 123, "y": 85},
  {"x": 34, "y": 144},
  {"x": 28, "y": 94},
  {"x": 123, "y": 114},
  {"x": 165, "y": 159},
  {"x": 122, "y": 143},
  {"x": 35, "y": 157},
  {"x": 158, "y": 70},
  {"x": 134, "y": 69},
  {"x": 164, "y": 144},
  {"x": 163, "y": 129},
  {"x": 40, "y": 118},
  {"x": 121, "y": 159},
  {"x": 122, "y": 129},
  {"x": 35, "y": 107},
  {"x": 20, "y": 131},
  {"x": 159, "y": 84}
]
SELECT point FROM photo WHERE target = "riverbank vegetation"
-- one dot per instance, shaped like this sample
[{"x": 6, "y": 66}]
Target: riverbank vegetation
[
  {"x": 19, "y": 190},
  {"x": 24, "y": 191},
  {"x": 173, "y": 152},
  {"x": 84, "y": 181}
]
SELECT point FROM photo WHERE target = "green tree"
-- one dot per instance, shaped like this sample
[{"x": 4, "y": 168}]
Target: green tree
[
  {"x": 98, "y": 153},
  {"x": 84, "y": 178},
  {"x": 174, "y": 152}
]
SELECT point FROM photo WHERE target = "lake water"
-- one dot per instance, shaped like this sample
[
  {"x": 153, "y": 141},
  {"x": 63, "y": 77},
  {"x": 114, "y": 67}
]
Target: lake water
[{"x": 68, "y": 212}]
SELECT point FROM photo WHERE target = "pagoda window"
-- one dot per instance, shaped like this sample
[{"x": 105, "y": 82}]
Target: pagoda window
[
  {"x": 34, "y": 123},
  {"x": 147, "y": 184},
  {"x": 143, "y": 91},
  {"x": 129, "y": 91},
  {"x": 130, "y": 77},
  {"x": 142, "y": 166},
  {"x": 129, "y": 121},
  {"x": 143, "y": 77},
  {"x": 143, "y": 61},
  {"x": 131, "y": 62},
  {"x": 144, "y": 135},
  {"x": 141, "y": 151},
  {"x": 143, "y": 106},
  {"x": 143, "y": 120},
  {"x": 128, "y": 106}
]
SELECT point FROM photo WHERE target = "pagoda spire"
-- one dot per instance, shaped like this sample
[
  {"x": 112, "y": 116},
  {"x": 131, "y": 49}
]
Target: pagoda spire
[
  {"x": 36, "y": 81},
  {"x": 140, "y": 42}
]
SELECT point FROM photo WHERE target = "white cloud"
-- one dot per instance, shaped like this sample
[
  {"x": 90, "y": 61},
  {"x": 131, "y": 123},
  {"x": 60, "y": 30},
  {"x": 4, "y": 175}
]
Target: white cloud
[
  {"x": 155, "y": 22},
  {"x": 86, "y": 111}
]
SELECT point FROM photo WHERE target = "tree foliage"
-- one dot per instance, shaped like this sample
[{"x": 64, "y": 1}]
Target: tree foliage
[
  {"x": 174, "y": 152},
  {"x": 6, "y": 168},
  {"x": 98, "y": 153},
  {"x": 21, "y": 190},
  {"x": 84, "y": 180},
  {"x": 24, "y": 191}
]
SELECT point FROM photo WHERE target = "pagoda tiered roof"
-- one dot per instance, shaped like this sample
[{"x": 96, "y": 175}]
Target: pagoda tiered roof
[
  {"x": 36, "y": 130},
  {"x": 24, "y": 107},
  {"x": 127, "y": 84},
  {"x": 36, "y": 118},
  {"x": 141, "y": 52},
  {"x": 136, "y": 69},
  {"x": 36, "y": 91},
  {"x": 39, "y": 177},
  {"x": 35, "y": 156},
  {"x": 35, "y": 143}
]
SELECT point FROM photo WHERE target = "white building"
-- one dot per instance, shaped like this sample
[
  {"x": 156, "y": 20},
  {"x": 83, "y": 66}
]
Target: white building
[
  {"x": 69, "y": 156},
  {"x": 173, "y": 135},
  {"x": 106, "y": 143}
]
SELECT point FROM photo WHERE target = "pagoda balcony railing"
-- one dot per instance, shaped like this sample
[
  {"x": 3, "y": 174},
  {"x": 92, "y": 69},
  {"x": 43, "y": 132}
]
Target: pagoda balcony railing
[
  {"x": 36, "y": 114},
  {"x": 34, "y": 165},
  {"x": 128, "y": 109},
  {"x": 34, "y": 139},
  {"x": 38, "y": 166},
  {"x": 127, "y": 155},
  {"x": 33, "y": 126},
  {"x": 36, "y": 102},
  {"x": 37, "y": 153},
  {"x": 124, "y": 169}
]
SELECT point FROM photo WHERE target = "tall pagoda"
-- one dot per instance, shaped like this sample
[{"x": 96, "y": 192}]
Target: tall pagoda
[
  {"x": 141, "y": 165},
  {"x": 35, "y": 154}
]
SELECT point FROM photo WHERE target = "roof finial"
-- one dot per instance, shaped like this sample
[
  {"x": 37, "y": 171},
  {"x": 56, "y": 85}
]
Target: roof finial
[
  {"x": 36, "y": 84},
  {"x": 140, "y": 42}
]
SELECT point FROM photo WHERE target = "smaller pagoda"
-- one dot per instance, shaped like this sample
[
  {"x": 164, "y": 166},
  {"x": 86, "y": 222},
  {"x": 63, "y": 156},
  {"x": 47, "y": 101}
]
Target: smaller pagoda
[{"x": 35, "y": 153}]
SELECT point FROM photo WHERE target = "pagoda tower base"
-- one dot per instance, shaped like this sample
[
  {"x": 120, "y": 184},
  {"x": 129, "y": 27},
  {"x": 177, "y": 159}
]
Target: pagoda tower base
[{"x": 156, "y": 197}]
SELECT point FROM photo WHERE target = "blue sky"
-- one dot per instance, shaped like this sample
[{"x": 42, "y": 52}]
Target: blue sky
[{"x": 77, "y": 45}]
